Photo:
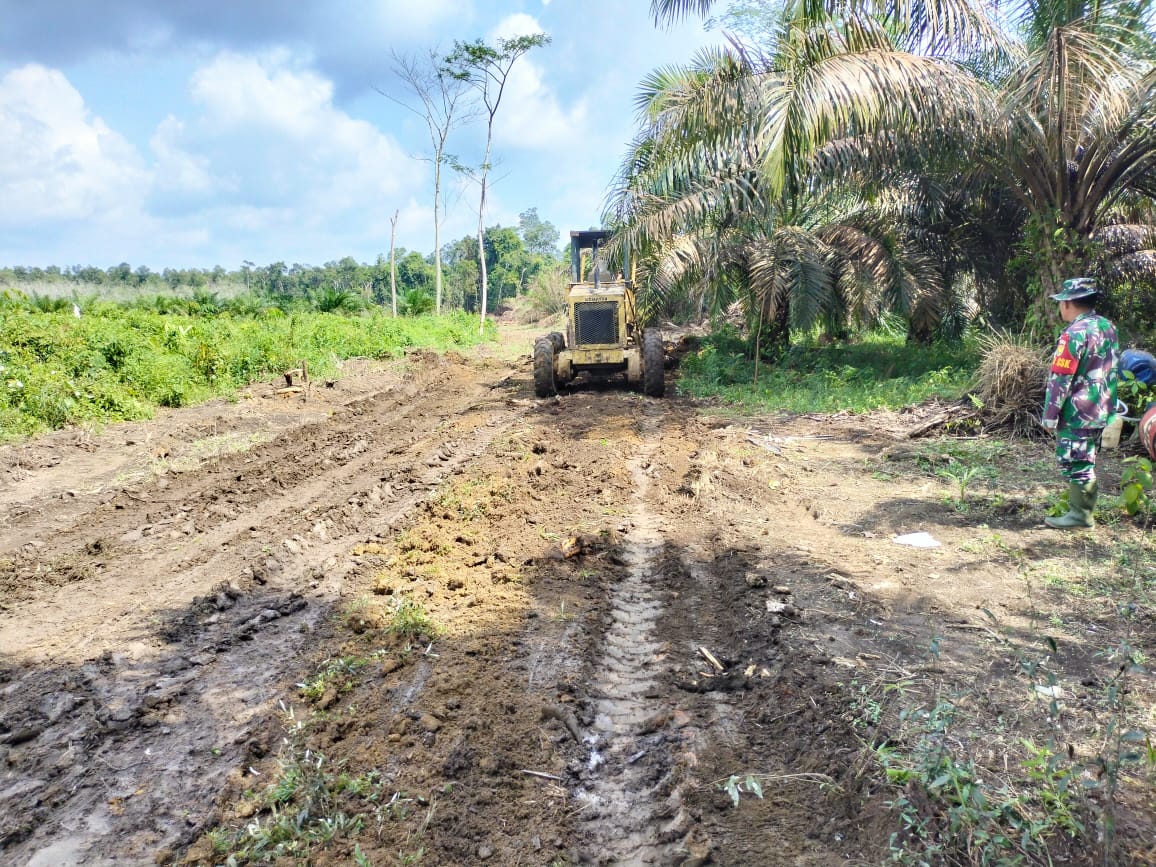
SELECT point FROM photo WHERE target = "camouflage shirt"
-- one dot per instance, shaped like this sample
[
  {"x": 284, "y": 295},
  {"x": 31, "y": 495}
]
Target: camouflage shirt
[{"x": 1081, "y": 390}]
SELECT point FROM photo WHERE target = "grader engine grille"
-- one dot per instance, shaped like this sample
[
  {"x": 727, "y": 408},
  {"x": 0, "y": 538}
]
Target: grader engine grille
[{"x": 596, "y": 322}]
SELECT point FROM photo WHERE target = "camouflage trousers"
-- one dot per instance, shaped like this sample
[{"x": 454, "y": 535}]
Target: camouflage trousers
[{"x": 1076, "y": 455}]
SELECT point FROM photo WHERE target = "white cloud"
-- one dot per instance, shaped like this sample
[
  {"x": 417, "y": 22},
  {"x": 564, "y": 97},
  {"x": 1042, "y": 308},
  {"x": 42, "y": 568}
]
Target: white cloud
[
  {"x": 57, "y": 161},
  {"x": 532, "y": 115},
  {"x": 263, "y": 166},
  {"x": 178, "y": 171},
  {"x": 345, "y": 36},
  {"x": 268, "y": 136},
  {"x": 405, "y": 17},
  {"x": 238, "y": 91},
  {"x": 518, "y": 24},
  {"x": 279, "y": 148}
]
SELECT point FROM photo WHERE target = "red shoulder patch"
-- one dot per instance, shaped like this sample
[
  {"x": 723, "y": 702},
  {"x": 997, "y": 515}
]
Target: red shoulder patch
[{"x": 1063, "y": 362}]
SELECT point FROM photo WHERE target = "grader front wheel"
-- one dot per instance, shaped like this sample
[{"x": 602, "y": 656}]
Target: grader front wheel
[
  {"x": 544, "y": 385},
  {"x": 653, "y": 381}
]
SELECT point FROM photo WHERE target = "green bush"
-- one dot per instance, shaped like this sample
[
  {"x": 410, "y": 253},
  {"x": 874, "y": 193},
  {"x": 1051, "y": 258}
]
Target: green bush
[
  {"x": 416, "y": 302},
  {"x": 1136, "y": 485},
  {"x": 876, "y": 371},
  {"x": 121, "y": 362},
  {"x": 335, "y": 300}
]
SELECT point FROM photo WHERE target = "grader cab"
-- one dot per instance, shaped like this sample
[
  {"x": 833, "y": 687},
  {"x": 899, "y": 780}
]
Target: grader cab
[{"x": 603, "y": 338}]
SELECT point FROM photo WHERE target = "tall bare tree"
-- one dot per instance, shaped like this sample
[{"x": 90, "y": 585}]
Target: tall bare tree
[
  {"x": 486, "y": 68},
  {"x": 440, "y": 95}
]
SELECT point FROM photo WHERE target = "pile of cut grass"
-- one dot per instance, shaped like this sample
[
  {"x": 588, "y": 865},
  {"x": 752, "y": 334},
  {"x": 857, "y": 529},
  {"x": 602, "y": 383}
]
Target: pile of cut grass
[{"x": 1009, "y": 381}]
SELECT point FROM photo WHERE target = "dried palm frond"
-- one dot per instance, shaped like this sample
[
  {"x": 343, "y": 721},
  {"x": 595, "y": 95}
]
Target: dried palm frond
[{"x": 1010, "y": 381}]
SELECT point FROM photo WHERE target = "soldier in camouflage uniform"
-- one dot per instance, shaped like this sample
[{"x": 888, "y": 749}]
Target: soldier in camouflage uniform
[{"x": 1081, "y": 396}]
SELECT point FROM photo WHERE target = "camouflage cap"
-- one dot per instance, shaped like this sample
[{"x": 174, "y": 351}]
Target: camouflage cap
[{"x": 1076, "y": 289}]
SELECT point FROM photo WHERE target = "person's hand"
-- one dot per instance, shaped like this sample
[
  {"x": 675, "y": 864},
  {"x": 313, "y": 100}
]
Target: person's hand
[{"x": 1049, "y": 424}]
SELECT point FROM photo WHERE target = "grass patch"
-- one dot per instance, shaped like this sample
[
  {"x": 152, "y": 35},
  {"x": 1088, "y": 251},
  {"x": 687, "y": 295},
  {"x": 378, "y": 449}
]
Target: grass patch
[
  {"x": 879, "y": 371},
  {"x": 116, "y": 363},
  {"x": 472, "y": 499},
  {"x": 306, "y": 807},
  {"x": 411, "y": 621},
  {"x": 208, "y": 448},
  {"x": 336, "y": 674},
  {"x": 973, "y": 783}
]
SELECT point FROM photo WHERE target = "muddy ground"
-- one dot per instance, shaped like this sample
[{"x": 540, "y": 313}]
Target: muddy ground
[{"x": 424, "y": 618}]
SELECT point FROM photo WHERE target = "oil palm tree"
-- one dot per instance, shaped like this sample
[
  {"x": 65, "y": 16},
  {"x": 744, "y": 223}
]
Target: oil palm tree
[
  {"x": 743, "y": 160},
  {"x": 1060, "y": 111},
  {"x": 1075, "y": 137}
]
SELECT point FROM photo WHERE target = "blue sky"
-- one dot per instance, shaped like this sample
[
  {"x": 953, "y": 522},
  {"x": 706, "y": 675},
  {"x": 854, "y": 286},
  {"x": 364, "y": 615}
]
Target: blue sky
[{"x": 194, "y": 133}]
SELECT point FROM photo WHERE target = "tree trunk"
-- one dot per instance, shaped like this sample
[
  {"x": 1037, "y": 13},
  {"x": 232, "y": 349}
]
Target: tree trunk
[
  {"x": 485, "y": 174},
  {"x": 774, "y": 327},
  {"x": 1063, "y": 255},
  {"x": 482, "y": 231},
  {"x": 437, "y": 235},
  {"x": 482, "y": 262},
  {"x": 393, "y": 262}
]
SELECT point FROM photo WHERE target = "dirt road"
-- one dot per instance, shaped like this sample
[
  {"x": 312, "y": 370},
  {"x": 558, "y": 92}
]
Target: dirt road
[{"x": 423, "y": 618}]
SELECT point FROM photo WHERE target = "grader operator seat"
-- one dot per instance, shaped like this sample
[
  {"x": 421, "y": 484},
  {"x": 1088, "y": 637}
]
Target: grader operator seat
[
  {"x": 593, "y": 240},
  {"x": 600, "y": 273}
]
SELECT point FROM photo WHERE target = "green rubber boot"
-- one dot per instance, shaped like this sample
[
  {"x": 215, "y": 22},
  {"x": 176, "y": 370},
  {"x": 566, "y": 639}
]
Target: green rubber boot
[{"x": 1081, "y": 507}]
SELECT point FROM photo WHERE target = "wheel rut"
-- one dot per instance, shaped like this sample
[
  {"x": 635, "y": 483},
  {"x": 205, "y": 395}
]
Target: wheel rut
[{"x": 631, "y": 805}]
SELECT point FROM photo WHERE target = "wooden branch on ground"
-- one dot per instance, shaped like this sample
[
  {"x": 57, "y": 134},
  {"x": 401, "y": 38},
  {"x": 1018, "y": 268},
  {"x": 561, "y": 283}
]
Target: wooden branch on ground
[{"x": 711, "y": 658}]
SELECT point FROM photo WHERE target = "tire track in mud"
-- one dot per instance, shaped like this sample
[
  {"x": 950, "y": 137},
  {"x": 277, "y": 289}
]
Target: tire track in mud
[
  {"x": 229, "y": 511},
  {"x": 257, "y": 474},
  {"x": 113, "y": 757},
  {"x": 631, "y": 807}
]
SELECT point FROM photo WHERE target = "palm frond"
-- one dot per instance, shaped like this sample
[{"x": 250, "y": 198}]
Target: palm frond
[
  {"x": 1138, "y": 266},
  {"x": 791, "y": 269},
  {"x": 1123, "y": 238},
  {"x": 670, "y": 11}
]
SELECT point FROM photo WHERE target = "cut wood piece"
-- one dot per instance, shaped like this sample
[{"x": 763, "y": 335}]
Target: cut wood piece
[
  {"x": 301, "y": 373},
  {"x": 544, "y": 776},
  {"x": 711, "y": 658}
]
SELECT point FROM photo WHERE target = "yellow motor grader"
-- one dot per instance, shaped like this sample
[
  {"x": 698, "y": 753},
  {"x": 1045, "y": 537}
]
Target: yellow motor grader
[{"x": 602, "y": 336}]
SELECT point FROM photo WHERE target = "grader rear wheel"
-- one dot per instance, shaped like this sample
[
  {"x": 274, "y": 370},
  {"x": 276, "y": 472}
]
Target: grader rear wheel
[
  {"x": 653, "y": 381},
  {"x": 558, "y": 340},
  {"x": 544, "y": 385}
]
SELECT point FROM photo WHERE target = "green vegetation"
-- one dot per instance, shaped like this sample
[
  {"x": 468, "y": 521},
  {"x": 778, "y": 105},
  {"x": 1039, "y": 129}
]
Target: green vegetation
[
  {"x": 736, "y": 785},
  {"x": 842, "y": 162},
  {"x": 306, "y": 806},
  {"x": 1135, "y": 394},
  {"x": 473, "y": 498},
  {"x": 1136, "y": 486},
  {"x": 335, "y": 674},
  {"x": 947, "y": 806},
  {"x": 115, "y": 363},
  {"x": 881, "y": 371},
  {"x": 410, "y": 620},
  {"x": 986, "y": 770},
  {"x": 970, "y": 789},
  {"x": 310, "y": 804}
]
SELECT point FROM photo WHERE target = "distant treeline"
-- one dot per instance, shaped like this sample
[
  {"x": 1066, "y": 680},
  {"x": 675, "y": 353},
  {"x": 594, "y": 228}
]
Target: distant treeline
[{"x": 515, "y": 258}]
